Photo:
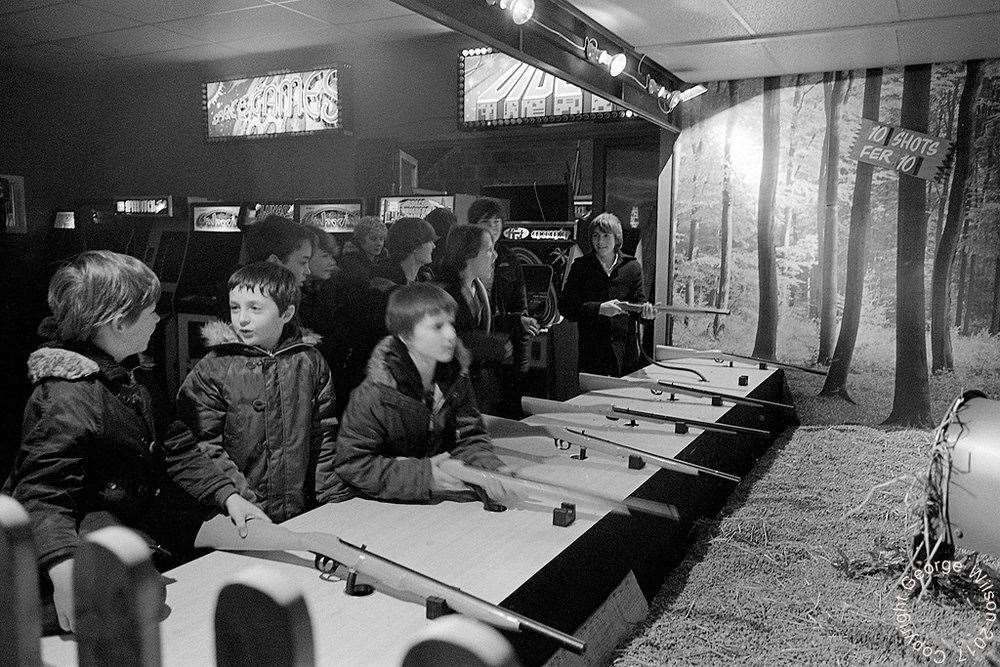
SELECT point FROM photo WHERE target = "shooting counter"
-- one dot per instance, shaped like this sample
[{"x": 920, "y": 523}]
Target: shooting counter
[{"x": 592, "y": 578}]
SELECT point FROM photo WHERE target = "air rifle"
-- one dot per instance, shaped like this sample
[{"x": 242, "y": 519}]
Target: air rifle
[
  {"x": 333, "y": 552},
  {"x": 671, "y": 309},
  {"x": 559, "y": 492},
  {"x": 670, "y": 352},
  {"x": 590, "y": 382},
  {"x": 595, "y": 438},
  {"x": 543, "y": 406}
]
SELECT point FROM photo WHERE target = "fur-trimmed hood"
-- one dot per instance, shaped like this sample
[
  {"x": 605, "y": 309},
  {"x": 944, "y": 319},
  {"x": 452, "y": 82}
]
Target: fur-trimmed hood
[
  {"x": 390, "y": 365},
  {"x": 57, "y": 362},
  {"x": 218, "y": 333}
]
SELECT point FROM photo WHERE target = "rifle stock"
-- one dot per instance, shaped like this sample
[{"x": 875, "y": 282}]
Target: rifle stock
[{"x": 220, "y": 533}]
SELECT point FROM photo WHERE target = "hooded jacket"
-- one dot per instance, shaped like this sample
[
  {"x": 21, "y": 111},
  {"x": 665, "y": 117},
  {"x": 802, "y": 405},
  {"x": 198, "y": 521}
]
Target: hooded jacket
[
  {"x": 262, "y": 416},
  {"x": 90, "y": 445},
  {"x": 389, "y": 432}
]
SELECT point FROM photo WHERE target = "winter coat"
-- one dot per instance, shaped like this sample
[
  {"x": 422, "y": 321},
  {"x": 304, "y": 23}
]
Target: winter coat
[
  {"x": 389, "y": 433},
  {"x": 90, "y": 448},
  {"x": 262, "y": 416},
  {"x": 607, "y": 344},
  {"x": 356, "y": 267}
]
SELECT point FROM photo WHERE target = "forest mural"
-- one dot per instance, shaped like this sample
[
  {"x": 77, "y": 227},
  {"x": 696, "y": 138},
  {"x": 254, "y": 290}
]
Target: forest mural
[{"x": 826, "y": 260}]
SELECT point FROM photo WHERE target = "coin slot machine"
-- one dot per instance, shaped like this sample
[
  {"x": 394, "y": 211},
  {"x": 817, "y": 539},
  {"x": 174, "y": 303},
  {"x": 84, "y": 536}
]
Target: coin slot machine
[
  {"x": 212, "y": 253},
  {"x": 101, "y": 229}
]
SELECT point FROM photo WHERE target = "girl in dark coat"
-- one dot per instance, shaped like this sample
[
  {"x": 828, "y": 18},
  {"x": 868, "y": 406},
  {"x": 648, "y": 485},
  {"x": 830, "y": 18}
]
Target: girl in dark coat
[
  {"x": 598, "y": 282},
  {"x": 414, "y": 408},
  {"x": 90, "y": 455}
]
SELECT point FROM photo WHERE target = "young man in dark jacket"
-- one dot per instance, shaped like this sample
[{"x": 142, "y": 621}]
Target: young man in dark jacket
[
  {"x": 261, "y": 402},
  {"x": 414, "y": 408}
]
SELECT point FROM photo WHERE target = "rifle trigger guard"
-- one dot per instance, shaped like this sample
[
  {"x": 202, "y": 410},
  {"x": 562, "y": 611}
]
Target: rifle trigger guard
[{"x": 656, "y": 392}]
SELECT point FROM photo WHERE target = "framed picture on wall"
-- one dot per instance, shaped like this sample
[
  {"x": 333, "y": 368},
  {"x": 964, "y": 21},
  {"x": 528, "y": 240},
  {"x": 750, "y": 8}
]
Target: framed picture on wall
[{"x": 12, "y": 204}]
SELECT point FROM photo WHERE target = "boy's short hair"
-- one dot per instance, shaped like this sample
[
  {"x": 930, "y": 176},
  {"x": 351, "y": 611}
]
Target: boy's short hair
[
  {"x": 484, "y": 208},
  {"x": 462, "y": 244},
  {"x": 366, "y": 224},
  {"x": 607, "y": 223},
  {"x": 275, "y": 235},
  {"x": 322, "y": 241},
  {"x": 96, "y": 287},
  {"x": 271, "y": 280},
  {"x": 411, "y": 303}
]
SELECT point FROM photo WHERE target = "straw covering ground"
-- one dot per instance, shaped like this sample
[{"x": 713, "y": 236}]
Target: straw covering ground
[{"x": 804, "y": 562}]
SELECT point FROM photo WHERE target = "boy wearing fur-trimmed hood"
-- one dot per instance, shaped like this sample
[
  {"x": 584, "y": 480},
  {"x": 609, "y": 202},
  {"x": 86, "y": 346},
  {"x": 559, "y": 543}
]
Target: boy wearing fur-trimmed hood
[{"x": 261, "y": 402}]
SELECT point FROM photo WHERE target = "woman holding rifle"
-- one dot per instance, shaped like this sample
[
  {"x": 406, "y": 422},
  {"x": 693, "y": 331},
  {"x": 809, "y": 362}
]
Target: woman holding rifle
[{"x": 597, "y": 286}]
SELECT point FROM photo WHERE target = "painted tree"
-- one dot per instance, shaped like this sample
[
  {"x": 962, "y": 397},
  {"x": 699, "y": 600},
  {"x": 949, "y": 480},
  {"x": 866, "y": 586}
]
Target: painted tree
[
  {"x": 828, "y": 255},
  {"x": 766, "y": 341},
  {"x": 857, "y": 240},
  {"x": 941, "y": 353},
  {"x": 726, "y": 223},
  {"x": 911, "y": 403},
  {"x": 815, "y": 274}
]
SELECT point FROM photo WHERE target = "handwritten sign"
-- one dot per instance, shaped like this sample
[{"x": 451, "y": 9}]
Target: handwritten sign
[{"x": 908, "y": 152}]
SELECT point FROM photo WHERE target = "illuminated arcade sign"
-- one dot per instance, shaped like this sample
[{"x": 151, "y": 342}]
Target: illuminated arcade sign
[
  {"x": 215, "y": 218},
  {"x": 394, "y": 208},
  {"x": 290, "y": 103},
  {"x": 908, "y": 152},
  {"x": 147, "y": 206},
  {"x": 496, "y": 89},
  {"x": 521, "y": 232},
  {"x": 65, "y": 220},
  {"x": 334, "y": 217}
]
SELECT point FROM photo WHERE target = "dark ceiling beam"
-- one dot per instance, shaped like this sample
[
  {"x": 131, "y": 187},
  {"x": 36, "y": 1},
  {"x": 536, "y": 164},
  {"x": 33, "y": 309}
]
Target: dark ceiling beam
[{"x": 542, "y": 48}]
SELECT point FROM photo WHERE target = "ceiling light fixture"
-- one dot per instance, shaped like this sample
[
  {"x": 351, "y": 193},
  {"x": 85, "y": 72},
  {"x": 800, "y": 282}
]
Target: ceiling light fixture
[
  {"x": 615, "y": 64},
  {"x": 522, "y": 11}
]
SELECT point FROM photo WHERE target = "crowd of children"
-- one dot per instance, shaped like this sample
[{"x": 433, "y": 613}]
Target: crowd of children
[{"x": 318, "y": 386}]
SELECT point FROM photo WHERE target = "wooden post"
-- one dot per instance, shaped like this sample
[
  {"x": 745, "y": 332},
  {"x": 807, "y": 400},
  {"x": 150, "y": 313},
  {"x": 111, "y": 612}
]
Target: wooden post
[
  {"x": 459, "y": 640},
  {"x": 261, "y": 619},
  {"x": 19, "y": 619},
  {"x": 117, "y": 596}
]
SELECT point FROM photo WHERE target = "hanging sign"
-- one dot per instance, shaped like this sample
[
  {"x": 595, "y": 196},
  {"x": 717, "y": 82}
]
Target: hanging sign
[{"x": 908, "y": 152}]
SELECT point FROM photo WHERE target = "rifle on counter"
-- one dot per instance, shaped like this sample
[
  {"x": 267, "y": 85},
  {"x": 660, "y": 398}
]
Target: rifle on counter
[
  {"x": 332, "y": 553},
  {"x": 671, "y": 352},
  {"x": 559, "y": 492},
  {"x": 671, "y": 309},
  {"x": 544, "y": 406},
  {"x": 596, "y": 438},
  {"x": 591, "y": 382}
]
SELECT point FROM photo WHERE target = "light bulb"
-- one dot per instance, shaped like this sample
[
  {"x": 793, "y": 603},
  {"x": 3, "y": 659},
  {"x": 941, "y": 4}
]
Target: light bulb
[
  {"x": 522, "y": 10},
  {"x": 504, "y": 4},
  {"x": 614, "y": 63}
]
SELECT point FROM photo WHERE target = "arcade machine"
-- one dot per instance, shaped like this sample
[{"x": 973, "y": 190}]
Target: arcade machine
[
  {"x": 542, "y": 233},
  {"x": 417, "y": 206},
  {"x": 211, "y": 254},
  {"x": 336, "y": 217},
  {"x": 64, "y": 239}
]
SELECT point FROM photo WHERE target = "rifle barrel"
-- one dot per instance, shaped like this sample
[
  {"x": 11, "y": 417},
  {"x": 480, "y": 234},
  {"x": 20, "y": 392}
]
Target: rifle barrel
[
  {"x": 728, "y": 429},
  {"x": 744, "y": 400}
]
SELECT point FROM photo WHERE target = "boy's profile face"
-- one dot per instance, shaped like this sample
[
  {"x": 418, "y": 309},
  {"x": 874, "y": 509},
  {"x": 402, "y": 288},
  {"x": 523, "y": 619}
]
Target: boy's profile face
[
  {"x": 256, "y": 318},
  {"x": 297, "y": 261},
  {"x": 433, "y": 337}
]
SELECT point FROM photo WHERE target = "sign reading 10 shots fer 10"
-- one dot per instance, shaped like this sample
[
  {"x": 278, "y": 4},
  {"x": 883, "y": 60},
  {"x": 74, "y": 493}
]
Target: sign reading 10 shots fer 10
[{"x": 908, "y": 152}]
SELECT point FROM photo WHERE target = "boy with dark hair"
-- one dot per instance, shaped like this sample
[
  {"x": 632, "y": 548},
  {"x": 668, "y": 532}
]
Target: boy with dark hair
[
  {"x": 414, "y": 409},
  {"x": 282, "y": 241},
  {"x": 261, "y": 402}
]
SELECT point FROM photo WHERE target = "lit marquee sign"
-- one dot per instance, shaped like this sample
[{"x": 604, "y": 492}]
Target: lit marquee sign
[
  {"x": 334, "y": 217},
  {"x": 215, "y": 218},
  {"x": 497, "y": 89},
  {"x": 145, "y": 206},
  {"x": 290, "y": 103},
  {"x": 517, "y": 232}
]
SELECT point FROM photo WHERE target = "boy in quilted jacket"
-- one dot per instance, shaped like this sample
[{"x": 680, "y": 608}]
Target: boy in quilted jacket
[{"x": 261, "y": 402}]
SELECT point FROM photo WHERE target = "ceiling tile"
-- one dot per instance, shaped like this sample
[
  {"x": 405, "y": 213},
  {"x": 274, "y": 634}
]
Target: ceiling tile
[
  {"x": 11, "y": 6},
  {"x": 836, "y": 50},
  {"x": 132, "y": 41},
  {"x": 259, "y": 22},
  {"x": 56, "y": 22},
  {"x": 784, "y": 16},
  {"x": 299, "y": 40},
  {"x": 914, "y": 9},
  {"x": 717, "y": 62},
  {"x": 349, "y": 11},
  {"x": 398, "y": 28},
  {"x": 645, "y": 22},
  {"x": 947, "y": 40},
  {"x": 188, "y": 54},
  {"x": 159, "y": 11}
]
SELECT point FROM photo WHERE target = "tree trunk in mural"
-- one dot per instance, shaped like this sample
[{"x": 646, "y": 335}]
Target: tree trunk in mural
[
  {"x": 970, "y": 279},
  {"x": 911, "y": 404},
  {"x": 726, "y": 224},
  {"x": 828, "y": 254},
  {"x": 995, "y": 315},
  {"x": 836, "y": 378},
  {"x": 963, "y": 266},
  {"x": 766, "y": 341},
  {"x": 941, "y": 355},
  {"x": 815, "y": 273}
]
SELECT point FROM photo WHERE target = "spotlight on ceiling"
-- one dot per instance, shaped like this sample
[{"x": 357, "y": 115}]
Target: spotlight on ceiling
[
  {"x": 615, "y": 64},
  {"x": 522, "y": 11}
]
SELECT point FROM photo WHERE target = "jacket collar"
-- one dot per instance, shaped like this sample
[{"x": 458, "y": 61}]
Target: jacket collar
[
  {"x": 219, "y": 334},
  {"x": 68, "y": 361},
  {"x": 390, "y": 365}
]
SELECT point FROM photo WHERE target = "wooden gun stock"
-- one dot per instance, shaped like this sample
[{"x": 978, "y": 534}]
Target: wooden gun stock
[{"x": 220, "y": 533}]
